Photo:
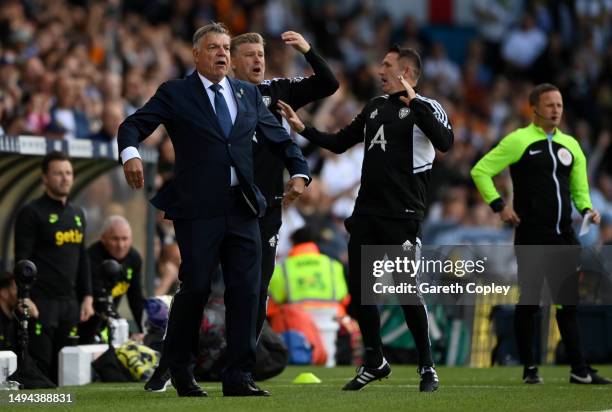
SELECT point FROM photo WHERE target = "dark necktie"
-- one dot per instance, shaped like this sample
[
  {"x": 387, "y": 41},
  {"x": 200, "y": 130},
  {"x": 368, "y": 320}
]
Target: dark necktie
[{"x": 223, "y": 114}]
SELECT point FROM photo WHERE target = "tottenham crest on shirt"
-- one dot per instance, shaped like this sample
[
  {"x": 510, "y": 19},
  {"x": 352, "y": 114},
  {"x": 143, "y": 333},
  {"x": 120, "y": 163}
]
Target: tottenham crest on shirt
[
  {"x": 404, "y": 111},
  {"x": 374, "y": 114}
]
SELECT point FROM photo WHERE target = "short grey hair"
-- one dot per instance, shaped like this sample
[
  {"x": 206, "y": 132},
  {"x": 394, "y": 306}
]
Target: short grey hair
[
  {"x": 113, "y": 220},
  {"x": 213, "y": 27},
  {"x": 246, "y": 38}
]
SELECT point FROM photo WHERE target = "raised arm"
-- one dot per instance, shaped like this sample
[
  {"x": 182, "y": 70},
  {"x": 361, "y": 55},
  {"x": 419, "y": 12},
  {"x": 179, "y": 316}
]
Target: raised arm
[
  {"x": 322, "y": 83},
  {"x": 430, "y": 118}
]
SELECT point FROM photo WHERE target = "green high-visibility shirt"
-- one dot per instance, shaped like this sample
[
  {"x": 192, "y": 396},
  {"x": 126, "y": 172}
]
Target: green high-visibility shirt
[{"x": 308, "y": 277}]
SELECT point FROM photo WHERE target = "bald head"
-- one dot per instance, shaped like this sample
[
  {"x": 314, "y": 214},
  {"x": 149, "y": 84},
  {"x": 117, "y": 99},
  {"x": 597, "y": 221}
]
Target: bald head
[{"x": 116, "y": 236}]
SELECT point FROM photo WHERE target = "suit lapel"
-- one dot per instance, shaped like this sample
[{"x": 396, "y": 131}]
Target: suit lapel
[
  {"x": 240, "y": 108},
  {"x": 198, "y": 92}
]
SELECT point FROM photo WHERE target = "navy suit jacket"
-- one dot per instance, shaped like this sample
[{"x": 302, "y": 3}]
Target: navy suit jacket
[{"x": 203, "y": 154}]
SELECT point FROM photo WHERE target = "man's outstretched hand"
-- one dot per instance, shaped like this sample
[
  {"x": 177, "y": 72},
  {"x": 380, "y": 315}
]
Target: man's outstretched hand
[{"x": 292, "y": 118}]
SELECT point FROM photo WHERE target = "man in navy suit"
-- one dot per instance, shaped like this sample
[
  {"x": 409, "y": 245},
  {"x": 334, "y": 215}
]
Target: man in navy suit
[{"x": 212, "y": 201}]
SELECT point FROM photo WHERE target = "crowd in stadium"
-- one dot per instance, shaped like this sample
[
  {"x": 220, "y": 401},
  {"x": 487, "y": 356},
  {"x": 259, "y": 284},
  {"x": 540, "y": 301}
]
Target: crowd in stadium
[
  {"x": 68, "y": 72},
  {"x": 76, "y": 69}
]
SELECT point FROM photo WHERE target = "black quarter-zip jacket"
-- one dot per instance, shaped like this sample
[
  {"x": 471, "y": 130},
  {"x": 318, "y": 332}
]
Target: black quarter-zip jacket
[
  {"x": 52, "y": 235},
  {"x": 399, "y": 150}
]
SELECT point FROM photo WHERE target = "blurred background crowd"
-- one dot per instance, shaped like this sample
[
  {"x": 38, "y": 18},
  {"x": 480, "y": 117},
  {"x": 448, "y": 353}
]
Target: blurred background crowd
[{"x": 75, "y": 69}]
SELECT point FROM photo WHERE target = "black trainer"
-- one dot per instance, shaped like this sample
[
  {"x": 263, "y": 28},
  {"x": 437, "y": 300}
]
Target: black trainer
[
  {"x": 587, "y": 376},
  {"x": 158, "y": 382},
  {"x": 366, "y": 375},
  {"x": 530, "y": 375},
  {"x": 429, "y": 379}
]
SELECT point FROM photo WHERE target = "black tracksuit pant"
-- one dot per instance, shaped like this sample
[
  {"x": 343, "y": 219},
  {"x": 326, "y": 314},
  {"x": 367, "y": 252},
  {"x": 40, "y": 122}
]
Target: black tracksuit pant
[
  {"x": 556, "y": 261},
  {"x": 377, "y": 230},
  {"x": 269, "y": 226},
  {"x": 57, "y": 321}
]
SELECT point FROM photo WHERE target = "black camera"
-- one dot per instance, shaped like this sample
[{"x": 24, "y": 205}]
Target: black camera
[
  {"x": 111, "y": 272},
  {"x": 25, "y": 276}
]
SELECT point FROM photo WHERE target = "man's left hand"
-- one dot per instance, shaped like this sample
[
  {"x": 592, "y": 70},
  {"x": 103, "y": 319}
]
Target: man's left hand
[
  {"x": 409, "y": 90},
  {"x": 87, "y": 310},
  {"x": 296, "y": 40},
  {"x": 595, "y": 216},
  {"x": 293, "y": 189},
  {"x": 31, "y": 307}
]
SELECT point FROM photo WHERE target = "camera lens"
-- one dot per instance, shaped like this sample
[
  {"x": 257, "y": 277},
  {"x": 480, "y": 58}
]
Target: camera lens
[{"x": 25, "y": 272}]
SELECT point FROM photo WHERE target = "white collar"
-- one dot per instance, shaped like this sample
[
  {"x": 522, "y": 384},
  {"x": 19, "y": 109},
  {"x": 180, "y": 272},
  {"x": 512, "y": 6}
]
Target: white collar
[{"x": 224, "y": 83}]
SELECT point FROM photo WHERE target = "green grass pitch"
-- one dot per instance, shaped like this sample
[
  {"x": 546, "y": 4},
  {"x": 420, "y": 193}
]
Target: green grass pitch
[{"x": 493, "y": 389}]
